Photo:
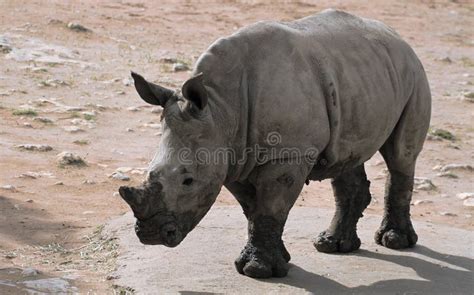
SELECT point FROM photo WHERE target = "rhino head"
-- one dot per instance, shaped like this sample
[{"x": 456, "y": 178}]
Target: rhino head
[{"x": 178, "y": 190}]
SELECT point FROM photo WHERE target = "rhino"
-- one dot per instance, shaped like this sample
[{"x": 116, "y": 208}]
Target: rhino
[{"x": 287, "y": 103}]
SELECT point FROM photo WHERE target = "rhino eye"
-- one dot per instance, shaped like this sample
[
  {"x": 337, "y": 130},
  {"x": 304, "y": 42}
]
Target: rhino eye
[{"x": 188, "y": 181}]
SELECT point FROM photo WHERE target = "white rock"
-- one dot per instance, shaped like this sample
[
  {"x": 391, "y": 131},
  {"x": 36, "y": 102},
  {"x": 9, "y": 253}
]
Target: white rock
[
  {"x": 420, "y": 202},
  {"x": 178, "y": 67},
  {"x": 447, "y": 175},
  {"x": 156, "y": 110},
  {"x": 29, "y": 174},
  {"x": 449, "y": 214},
  {"x": 124, "y": 169},
  {"x": 464, "y": 196},
  {"x": 78, "y": 27},
  {"x": 469, "y": 202},
  {"x": 130, "y": 130},
  {"x": 35, "y": 147},
  {"x": 451, "y": 167},
  {"x": 8, "y": 187},
  {"x": 73, "y": 129},
  {"x": 127, "y": 81},
  {"x": 70, "y": 159},
  {"x": 152, "y": 125},
  {"x": 88, "y": 181},
  {"x": 119, "y": 176},
  {"x": 424, "y": 184},
  {"x": 29, "y": 272},
  {"x": 133, "y": 109}
]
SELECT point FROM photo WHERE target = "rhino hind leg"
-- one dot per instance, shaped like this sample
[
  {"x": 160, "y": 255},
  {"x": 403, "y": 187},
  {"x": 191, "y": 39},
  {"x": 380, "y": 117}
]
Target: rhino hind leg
[
  {"x": 396, "y": 230},
  {"x": 351, "y": 191},
  {"x": 400, "y": 152}
]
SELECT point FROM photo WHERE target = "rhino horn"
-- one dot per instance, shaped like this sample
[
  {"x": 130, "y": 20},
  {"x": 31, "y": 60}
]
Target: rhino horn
[{"x": 133, "y": 197}]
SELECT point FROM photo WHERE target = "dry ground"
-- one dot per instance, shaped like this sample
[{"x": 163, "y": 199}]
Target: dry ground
[{"x": 43, "y": 224}]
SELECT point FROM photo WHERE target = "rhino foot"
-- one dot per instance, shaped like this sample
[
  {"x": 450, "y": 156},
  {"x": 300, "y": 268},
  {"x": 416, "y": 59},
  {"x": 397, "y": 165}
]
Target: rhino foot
[
  {"x": 263, "y": 263},
  {"x": 327, "y": 242},
  {"x": 396, "y": 238}
]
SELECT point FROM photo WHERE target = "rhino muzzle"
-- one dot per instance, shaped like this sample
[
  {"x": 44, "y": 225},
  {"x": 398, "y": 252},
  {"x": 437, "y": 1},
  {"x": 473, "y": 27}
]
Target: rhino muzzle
[{"x": 153, "y": 227}]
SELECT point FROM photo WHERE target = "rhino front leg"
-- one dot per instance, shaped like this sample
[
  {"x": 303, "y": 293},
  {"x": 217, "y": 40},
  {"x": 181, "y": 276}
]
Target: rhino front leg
[
  {"x": 351, "y": 191},
  {"x": 245, "y": 194},
  {"x": 276, "y": 187}
]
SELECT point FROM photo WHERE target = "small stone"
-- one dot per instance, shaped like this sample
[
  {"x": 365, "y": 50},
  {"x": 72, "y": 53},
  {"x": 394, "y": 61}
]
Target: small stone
[
  {"x": 35, "y": 147},
  {"x": 5, "y": 46},
  {"x": 69, "y": 159},
  {"x": 43, "y": 120},
  {"x": 115, "y": 194},
  {"x": 96, "y": 106},
  {"x": 29, "y": 272},
  {"x": 73, "y": 129},
  {"x": 78, "y": 27},
  {"x": 179, "y": 67},
  {"x": 16, "y": 206},
  {"x": 29, "y": 174},
  {"x": 451, "y": 167},
  {"x": 28, "y": 125},
  {"x": 8, "y": 187},
  {"x": 156, "y": 110},
  {"x": 169, "y": 60},
  {"x": 469, "y": 202},
  {"x": 152, "y": 125},
  {"x": 10, "y": 255},
  {"x": 112, "y": 277},
  {"x": 127, "y": 82},
  {"x": 445, "y": 59},
  {"x": 424, "y": 184},
  {"x": 88, "y": 212},
  {"x": 133, "y": 109},
  {"x": 124, "y": 169},
  {"x": 29, "y": 201},
  {"x": 468, "y": 96},
  {"x": 120, "y": 176},
  {"x": 59, "y": 183},
  {"x": 442, "y": 134},
  {"x": 449, "y": 214},
  {"x": 465, "y": 196},
  {"x": 130, "y": 130},
  {"x": 447, "y": 175},
  {"x": 88, "y": 181},
  {"x": 421, "y": 202}
]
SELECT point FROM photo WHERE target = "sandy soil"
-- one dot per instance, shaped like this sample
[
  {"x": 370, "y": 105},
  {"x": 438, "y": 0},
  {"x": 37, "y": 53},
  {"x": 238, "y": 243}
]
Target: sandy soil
[{"x": 50, "y": 219}]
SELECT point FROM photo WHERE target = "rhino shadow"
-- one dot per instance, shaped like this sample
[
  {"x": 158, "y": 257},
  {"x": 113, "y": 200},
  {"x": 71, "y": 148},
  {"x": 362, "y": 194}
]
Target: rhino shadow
[
  {"x": 438, "y": 279},
  {"x": 27, "y": 224}
]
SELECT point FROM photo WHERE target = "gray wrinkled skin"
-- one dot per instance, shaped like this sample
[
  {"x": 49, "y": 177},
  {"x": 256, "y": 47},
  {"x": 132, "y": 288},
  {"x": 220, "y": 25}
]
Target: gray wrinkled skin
[{"x": 334, "y": 83}]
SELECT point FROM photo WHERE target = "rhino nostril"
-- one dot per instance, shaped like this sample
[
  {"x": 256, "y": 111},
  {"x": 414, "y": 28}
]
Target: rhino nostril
[
  {"x": 171, "y": 234},
  {"x": 188, "y": 181}
]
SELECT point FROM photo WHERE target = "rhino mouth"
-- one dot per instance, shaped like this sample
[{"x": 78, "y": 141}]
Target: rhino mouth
[{"x": 154, "y": 231}]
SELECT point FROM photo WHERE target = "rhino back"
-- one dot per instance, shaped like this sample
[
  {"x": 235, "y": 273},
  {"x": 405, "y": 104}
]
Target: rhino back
[{"x": 331, "y": 81}]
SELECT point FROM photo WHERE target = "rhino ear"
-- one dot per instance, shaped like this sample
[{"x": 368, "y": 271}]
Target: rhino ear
[
  {"x": 151, "y": 93},
  {"x": 194, "y": 91}
]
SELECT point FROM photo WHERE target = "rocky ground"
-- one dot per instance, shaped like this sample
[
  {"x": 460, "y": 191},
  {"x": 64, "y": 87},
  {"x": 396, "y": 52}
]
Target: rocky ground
[{"x": 72, "y": 128}]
